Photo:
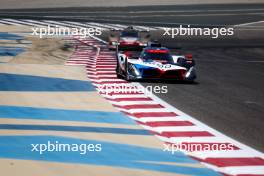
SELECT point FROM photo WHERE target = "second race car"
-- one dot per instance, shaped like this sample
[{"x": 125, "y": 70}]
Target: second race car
[
  {"x": 128, "y": 39},
  {"x": 155, "y": 62}
]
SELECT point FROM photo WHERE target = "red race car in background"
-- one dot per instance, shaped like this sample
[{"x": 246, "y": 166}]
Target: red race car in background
[{"x": 128, "y": 39}]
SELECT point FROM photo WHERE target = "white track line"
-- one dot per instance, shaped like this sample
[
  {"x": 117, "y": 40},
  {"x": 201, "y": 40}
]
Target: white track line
[
  {"x": 59, "y": 24},
  {"x": 25, "y": 23},
  {"x": 114, "y": 26},
  {"x": 223, "y": 154},
  {"x": 19, "y": 22},
  {"x": 248, "y": 24},
  {"x": 238, "y": 170},
  {"x": 2, "y": 22},
  {"x": 37, "y": 23},
  {"x": 83, "y": 25},
  {"x": 142, "y": 28},
  {"x": 104, "y": 27},
  {"x": 42, "y": 23},
  {"x": 12, "y": 23}
]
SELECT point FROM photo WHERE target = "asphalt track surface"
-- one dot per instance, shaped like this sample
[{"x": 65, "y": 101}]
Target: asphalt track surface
[
  {"x": 110, "y": 3},
  {"x": 173, "y": 15},
  {"x": 228, "y": 95}
]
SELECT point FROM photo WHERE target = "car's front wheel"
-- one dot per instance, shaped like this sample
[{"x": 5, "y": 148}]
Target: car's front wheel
[
  {"x": 127, "y": 75},
  {"x": 118, "y": 72}
]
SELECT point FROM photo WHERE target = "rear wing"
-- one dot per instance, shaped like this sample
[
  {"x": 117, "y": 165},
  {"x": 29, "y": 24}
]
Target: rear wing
[{"x": 129, "y": 54}]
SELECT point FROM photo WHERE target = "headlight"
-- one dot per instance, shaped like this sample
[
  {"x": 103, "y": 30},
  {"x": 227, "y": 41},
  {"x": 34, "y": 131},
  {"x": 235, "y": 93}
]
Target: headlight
[
  {"x": 190, "y": 73},
  {"x": 114, "y": 43},
  {"x": 135, "y": 70},
  {"x": 143, "y": 44}
]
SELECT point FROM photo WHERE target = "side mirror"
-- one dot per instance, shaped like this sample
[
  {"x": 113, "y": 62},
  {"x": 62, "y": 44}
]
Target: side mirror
[
  {"x": 121, "y": 58},
  {"x": 177, "y": 58}
]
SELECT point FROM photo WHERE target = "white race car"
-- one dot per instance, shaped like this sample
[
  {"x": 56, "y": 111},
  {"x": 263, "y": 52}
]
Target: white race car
[{"x": 155, "y": 63}]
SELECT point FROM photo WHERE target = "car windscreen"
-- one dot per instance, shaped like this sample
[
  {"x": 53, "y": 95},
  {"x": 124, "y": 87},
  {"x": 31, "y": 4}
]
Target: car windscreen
[
  {"x": 157, "y": 56},
  {"x": 129, "y": 34}
]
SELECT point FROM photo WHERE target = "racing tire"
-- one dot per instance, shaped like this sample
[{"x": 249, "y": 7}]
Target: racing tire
[
  {"x": 118, "y": 71},
  {"x": 127, "y": 78}
]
